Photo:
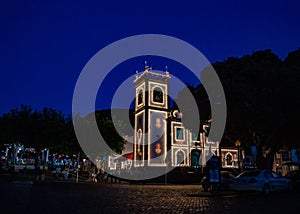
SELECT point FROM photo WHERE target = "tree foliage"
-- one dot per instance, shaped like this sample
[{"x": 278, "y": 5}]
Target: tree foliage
[
  {"x": 262, "y": 95},
  {"x": 51, "y": 129},
  {"x": 47, "y": 128}
]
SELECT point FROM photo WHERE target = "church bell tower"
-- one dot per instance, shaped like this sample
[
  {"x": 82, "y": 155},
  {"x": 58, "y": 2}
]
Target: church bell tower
[{"x": 151, "y": 112}]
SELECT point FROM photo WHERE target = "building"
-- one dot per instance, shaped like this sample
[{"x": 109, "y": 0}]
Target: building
[
  {"x": 161, "y": 138},
  {"x": 286, "y": 160}
]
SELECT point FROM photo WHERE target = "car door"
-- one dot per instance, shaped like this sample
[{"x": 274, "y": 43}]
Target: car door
[
  {"x": 282, "y": 183},
  {"x": 273, "y": 181},
  {"x": 297, "y": 180}
]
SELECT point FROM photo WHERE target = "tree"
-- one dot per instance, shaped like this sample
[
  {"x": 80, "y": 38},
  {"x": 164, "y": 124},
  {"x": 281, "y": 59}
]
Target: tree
[
  {"x": 262, "y": 95},
  {"x": 107, "y": 130},
  {"x": 45, "y": 129}
]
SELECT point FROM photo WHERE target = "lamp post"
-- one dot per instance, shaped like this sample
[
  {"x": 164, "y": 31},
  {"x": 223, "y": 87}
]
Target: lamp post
[{"x": 238, "y": 144}]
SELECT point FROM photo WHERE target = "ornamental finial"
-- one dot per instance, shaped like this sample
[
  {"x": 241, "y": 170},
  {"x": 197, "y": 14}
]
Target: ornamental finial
[
  {"x": 146, "y": 67},
  {"x": 167, "y": 72}
]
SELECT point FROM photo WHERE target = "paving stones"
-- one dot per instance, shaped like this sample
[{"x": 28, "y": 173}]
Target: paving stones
[{"x": 58, "y": 197}]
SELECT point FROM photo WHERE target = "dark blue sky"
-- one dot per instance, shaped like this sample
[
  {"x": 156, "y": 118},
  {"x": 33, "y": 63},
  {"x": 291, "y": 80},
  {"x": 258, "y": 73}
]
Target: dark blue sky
[{"x": 45, "y": 44}]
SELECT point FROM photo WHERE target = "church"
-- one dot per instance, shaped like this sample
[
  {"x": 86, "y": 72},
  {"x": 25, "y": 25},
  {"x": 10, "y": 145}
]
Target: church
[{"x": 160, "y": 136}]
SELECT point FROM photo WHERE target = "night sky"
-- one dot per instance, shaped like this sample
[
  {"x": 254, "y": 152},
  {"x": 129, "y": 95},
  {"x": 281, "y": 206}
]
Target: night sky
[{"x": 44, "y": 45}]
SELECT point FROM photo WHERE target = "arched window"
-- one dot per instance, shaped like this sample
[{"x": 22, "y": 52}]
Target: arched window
[
  {"x": 158, "y": 95},
  {"x": 140, "y": 97},
  {"x": 195, "y": 157},
  {"x": 180, "y": 158},
  {"x": 228, "y": 158}
]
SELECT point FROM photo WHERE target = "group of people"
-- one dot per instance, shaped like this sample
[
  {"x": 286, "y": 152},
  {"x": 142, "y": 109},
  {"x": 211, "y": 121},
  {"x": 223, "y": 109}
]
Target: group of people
[{"x": 62, "y": 172}]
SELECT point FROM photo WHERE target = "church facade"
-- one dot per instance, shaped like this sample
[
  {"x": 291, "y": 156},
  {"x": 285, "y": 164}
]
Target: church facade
[{"x": 160, "y": 137}]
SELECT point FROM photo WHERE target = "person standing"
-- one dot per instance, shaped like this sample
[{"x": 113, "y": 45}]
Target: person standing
[
  {"x": 12, "y": 171},
  {"x": 57, "y": 171},
  {"x": 43, "y": 174},
  {"x": 66, "y": 173},
  {"x": 37, "y": 172}
]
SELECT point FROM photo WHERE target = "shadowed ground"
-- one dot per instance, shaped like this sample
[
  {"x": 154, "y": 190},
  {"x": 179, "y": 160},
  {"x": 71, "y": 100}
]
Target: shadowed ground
[{"x": 66, "y": 197}]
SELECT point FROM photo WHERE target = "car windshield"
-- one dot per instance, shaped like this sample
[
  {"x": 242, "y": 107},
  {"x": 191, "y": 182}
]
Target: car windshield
[
  {"x": 293, "y": 174},
  {"x": 249, "y": 174},
  {"x": 290, "y": 174},
  {"x": 227, "y": 175}
]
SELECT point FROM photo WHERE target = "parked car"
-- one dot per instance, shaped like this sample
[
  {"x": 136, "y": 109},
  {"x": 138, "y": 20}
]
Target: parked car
[
  {"x": 294, "y": 176},
  {"x": 263, "y": 181},
  {"x": 226, "y": 179}
]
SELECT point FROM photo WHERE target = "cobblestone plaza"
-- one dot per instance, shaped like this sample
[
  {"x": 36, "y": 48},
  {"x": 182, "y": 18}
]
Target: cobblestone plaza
[{"x": 61, "y": 197}]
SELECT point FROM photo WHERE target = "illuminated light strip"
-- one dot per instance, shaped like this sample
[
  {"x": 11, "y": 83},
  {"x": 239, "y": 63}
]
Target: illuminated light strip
[
  {"x": 152, "y": 85},
  {"x": 175, "y": 125},
  {"x": 182, "y": 132},
  {"x": 148, "y": 73},
  {"x": 229, "y": 152},
  {"x": 152, "y": 93},
  {"x": 174, "y": 154},
  {"x": 149, "y": 137},
  {"x": 141, "y": 163},
  {"x": 140, "y": 87}
]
